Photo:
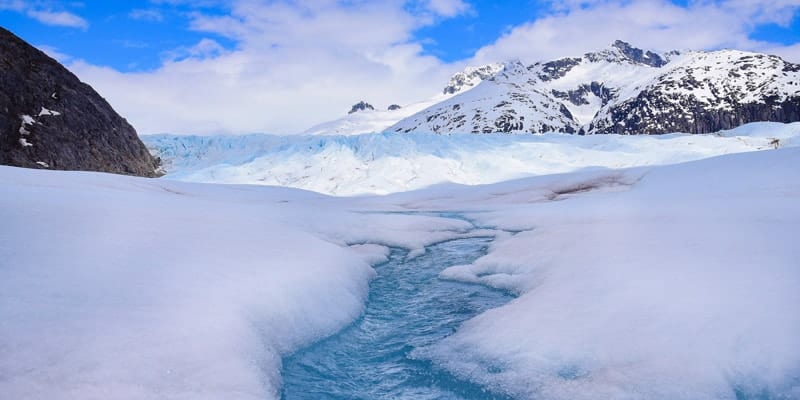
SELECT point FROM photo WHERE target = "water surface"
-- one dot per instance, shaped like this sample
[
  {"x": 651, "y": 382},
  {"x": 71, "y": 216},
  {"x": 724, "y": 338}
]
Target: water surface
[{"x": 408, "y": 307}]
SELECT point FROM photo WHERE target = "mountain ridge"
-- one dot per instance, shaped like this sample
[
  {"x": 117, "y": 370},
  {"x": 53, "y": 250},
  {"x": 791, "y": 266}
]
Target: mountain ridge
[{"x": 623, "y": 90}]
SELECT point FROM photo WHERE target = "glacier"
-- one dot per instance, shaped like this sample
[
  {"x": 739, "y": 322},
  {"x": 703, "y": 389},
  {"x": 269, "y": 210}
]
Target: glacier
[{"x": 382, "y": 163}]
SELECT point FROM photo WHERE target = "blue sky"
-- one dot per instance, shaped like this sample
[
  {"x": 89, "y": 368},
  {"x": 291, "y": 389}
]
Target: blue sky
[
  {"x": 140, "y": 35},
  {"x": 235, "y": 66},
  {"x": 127, "y": 35}
]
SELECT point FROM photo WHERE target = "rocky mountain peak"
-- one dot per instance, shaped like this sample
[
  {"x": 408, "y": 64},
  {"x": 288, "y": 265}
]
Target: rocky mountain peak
[
  {"x": 622, "y": 52},
  {"x": 638, "y": 55},
  {"x": 360, "y": 106},
  {"x": 471, "y": 76},
  {"x": 50, "y": 119}
]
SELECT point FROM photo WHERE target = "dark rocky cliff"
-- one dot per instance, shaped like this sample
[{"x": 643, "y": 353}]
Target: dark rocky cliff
[{"x": 50, "y": 119}]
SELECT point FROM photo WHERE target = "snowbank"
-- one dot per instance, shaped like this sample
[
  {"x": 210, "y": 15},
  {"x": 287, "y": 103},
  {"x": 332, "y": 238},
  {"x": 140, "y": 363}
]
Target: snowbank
[
  {"x": 676, "y": 282},
  {"x": 386, "y": 163},
  {"x": 126, "y": 288}
]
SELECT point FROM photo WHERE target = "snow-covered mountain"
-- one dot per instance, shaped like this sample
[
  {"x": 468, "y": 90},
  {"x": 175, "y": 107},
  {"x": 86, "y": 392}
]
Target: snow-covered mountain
[
  {"x": 505, "y": 103},
  {"x": 364, "y": 118},
  {"x": 622, "y": 90}
]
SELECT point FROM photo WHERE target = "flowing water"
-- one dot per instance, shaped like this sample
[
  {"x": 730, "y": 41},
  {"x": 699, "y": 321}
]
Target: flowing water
[{"x": 408, "y": 308}]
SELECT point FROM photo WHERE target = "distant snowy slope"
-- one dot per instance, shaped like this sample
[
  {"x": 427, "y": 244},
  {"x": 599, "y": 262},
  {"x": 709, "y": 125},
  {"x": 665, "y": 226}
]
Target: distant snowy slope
[
  {"x": 378, "y": 120},
  {"x": 385, "y": 163},
  {"x": 370, "y": 121}
]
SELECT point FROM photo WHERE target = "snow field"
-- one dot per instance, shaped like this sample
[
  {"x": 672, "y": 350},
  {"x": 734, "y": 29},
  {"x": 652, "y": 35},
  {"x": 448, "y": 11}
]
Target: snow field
[
  {"x": 128, "y": 288},
  {"x": 657, "y": 282},
  {"x": 681, "y": 286}
]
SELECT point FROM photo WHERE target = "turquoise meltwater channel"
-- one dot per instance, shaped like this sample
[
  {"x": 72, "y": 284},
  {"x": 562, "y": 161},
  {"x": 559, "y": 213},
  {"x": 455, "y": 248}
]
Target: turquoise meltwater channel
[{"x": 408, "y": 308}]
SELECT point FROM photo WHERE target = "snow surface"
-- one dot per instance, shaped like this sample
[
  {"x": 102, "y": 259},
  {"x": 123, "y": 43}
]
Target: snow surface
[
  {"x": 389, "y": 162},
  {"x": 129, "y": 288},
  {"x": 46, "y": 112},
  {"x": 23, "y": 131},
  {"x": 677, "y": 282},
  {"x": 659, "y": 282},
  {"x": 27, "y": 119}
]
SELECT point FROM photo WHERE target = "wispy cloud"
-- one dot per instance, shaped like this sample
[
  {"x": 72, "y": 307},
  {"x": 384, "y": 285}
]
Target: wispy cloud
[
  {"x": 45, "y": 14},
  {"x": 151, "y": 15},
  {"x": 204, "y": 49},
  {"x": 448, "y": 8},
  {"x": 14, "y": 5},
  {"x": 58, "y": 18},
  {"x": 54, "y": 53},
  {"x": 131, "y": 44}
]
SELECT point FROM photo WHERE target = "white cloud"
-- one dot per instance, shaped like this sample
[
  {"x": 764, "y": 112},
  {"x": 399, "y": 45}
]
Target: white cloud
[
  {"x": 448, "y": 8},
  {"x": 293, "y": 65},
  {"x": 58, "y": 18},
  {"x": 205, "y": 48},
  {"x": 578, "y": 26},
  {"x": 40, "y": 12}
]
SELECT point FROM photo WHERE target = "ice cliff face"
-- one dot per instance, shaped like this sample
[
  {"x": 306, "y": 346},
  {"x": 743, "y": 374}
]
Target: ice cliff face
[
  {"x": 50, "y": 119},
  {"x": 623, "y": 90}
]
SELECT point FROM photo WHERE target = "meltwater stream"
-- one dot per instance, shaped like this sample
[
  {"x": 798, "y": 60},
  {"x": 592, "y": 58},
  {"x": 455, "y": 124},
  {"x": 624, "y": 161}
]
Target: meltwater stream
[{"x": 408, "y": 308}]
